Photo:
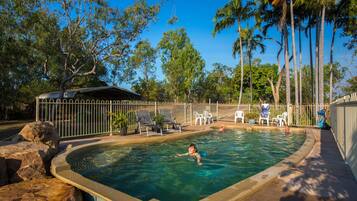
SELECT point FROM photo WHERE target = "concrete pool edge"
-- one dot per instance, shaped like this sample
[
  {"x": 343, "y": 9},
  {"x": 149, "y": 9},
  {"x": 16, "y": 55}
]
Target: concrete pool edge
[{"x": 62, "y": 170}]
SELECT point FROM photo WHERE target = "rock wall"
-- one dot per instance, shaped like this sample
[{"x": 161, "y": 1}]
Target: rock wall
[
  {"x": 27, "y": 160},
  {"x": 40, "y": 190}
]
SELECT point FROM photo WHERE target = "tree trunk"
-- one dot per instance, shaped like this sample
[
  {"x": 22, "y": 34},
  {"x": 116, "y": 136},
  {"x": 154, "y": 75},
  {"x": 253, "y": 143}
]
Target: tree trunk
[
  {"x": 300, "y": 67},
  {"x": 287, "y": 65},
  {"x": 311, "y": 68},
  {"x": 331, "y": 59},
  {"x": 250, "y": 72},
  {"x": 321, "y": 59},
  {"x": 241, "y": 64},
  {"x": 294, "y": 60},
  {"x": 275, "y": 89},
  {"x": 317, "y": 71}
]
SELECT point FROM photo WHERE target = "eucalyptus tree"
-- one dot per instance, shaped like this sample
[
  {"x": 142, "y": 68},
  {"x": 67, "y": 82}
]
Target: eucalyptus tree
[
  {"x": 182, "y": 64},
  {"x": 93, "y": 33},
  {"x": 144, "y": 59},
  {"x": 227, "y": 16},
  {"x": 251, "y": 41}
]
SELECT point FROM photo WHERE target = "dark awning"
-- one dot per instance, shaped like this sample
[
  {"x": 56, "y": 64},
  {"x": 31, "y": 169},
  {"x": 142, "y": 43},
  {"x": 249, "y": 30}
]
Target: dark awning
[{"x": 102, "y": 93}]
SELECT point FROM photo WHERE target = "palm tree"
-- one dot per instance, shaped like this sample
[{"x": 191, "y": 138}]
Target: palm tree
[
  {"x": 294, "y": 56},
  {"x": 251, "y": 41},
  {"x": 276, "y": 16},
  {"x": 227, "y": 16}
]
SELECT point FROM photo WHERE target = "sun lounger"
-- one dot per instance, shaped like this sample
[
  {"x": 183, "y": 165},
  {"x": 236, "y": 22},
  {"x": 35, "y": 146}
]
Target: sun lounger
[
  {"x": 169, "y": 120},
  {"x": 144, "y": 120}
]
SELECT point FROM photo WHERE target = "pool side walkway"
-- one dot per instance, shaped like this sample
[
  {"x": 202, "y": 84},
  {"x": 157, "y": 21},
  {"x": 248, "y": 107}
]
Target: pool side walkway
[{"x": 323, "y": 175}]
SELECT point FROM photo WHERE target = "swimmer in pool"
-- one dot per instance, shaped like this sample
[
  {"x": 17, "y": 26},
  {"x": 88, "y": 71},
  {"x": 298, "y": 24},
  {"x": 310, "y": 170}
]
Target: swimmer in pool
[
  {"x": 193, "y": 152},
  {"x": 221, "y": 129}
]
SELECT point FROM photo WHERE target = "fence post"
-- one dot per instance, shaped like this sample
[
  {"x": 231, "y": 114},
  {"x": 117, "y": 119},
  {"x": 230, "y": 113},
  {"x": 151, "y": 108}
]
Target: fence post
[
  {"x": 185, "y": 112},
  {"x": 289, "y": 114},
  {"x": 217, "y": 111},
  {"x": 111, "y": 118},
  {"x": 37, "y": 109},
  {"x": 209, "y": 104},
  {"x": 191, "y": 114}
]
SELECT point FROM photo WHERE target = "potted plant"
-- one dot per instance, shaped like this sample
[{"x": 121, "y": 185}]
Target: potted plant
[
  {"x": 251, "y": 117},
  {"x": 159, "y": 122},
  {"x": 120, "y": 121}
]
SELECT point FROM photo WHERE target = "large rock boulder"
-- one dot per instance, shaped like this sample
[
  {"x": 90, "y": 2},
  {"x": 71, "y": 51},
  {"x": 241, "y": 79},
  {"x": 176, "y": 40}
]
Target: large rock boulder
[
  {"x": 26, "y": 160},
  {"x": 40, "y": 189},
  {"x": 41, "y": 132},
  {"x": 3, "y": 172}
]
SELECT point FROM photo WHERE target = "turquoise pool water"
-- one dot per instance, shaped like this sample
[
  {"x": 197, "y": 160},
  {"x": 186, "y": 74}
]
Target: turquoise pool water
[{"x": 152, "y": 170}]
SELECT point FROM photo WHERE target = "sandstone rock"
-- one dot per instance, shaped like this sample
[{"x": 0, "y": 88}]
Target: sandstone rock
[
  {"x": 26, "y": 160},
  {"x": 41, "y": 132},
  {"x": 40, "y": 189},
  {"x": 3, "y": 172}
]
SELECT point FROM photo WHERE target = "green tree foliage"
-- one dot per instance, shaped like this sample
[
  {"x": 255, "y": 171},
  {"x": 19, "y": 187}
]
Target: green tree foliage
[
  {"x": 143, "y": 59},
  {"x": 182, "y": 64},
  {"x": 44, "y": 49},
  {"x": 351, "y": 87},
  {"x": 152, "y": 90},
  {"x": 93, "y": 33},
  {"x": 338, "y": 72},
  {"x": 260, "y": 75},
  {"x": 218, "y": 84}
]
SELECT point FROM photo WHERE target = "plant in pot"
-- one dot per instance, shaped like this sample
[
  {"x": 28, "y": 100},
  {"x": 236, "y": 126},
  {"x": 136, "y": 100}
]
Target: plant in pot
[
  {"x": 251, "y": 117},
  {"x": 159, "y": 122},
  {"x": 120, "y": 122}
]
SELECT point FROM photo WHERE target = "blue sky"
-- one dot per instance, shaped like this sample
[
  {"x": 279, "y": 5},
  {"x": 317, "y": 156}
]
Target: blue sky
[{"x": 196, "y": 16}]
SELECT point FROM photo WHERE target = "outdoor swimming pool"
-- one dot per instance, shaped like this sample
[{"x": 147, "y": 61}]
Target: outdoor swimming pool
[{"x": 152, "y": 171}]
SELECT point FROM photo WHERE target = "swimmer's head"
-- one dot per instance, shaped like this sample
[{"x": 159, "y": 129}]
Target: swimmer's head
[{"x": 192, "y": 148}]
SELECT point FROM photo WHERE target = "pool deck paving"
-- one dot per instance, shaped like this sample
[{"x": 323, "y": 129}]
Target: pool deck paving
[{"x": 322, "y": 175}]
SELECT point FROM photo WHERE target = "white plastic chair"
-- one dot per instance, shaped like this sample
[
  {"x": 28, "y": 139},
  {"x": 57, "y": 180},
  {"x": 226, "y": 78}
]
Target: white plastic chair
[
  {"x": 198, "y": 118},
  {"x": 207, "y": 117},
  {"x": 265, "y": 107},
  {"x": 238, "y": 115},
  {"x": 281, "y": 119}
]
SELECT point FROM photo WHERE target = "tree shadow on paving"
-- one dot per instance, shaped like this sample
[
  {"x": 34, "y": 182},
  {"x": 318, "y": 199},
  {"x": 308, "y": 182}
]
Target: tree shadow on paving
[{"x": 323, "y": 175}]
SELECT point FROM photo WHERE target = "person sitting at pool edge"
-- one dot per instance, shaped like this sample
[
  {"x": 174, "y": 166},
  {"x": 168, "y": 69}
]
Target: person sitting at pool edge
[{"x": 193, "y": 152}]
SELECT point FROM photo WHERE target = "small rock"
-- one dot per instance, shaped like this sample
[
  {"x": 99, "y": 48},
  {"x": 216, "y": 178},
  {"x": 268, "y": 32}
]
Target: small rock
[
  {"x": 3, "y": 172},
  {"x": 40, "y": 190}
]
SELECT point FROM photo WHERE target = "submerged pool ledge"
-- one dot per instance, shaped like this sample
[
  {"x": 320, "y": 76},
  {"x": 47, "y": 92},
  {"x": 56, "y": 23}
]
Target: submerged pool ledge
[{"x": 62, "y": 170}]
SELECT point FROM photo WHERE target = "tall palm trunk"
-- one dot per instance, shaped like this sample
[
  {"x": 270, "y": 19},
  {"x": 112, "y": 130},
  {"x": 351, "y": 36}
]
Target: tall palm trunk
[
  {"x": 300, "y": 68},
  {"x": 311, "y": 68},
  {"x": 287, "y": 65},
  {"x": 317, "y": 70},
  {"x": 321, "y": 58},
  {"x": 294, "y": 60},
  {"x": 250, "y": 71},
  {"x": 331, "y": 58},
  {"x": 241, "y": 64}
]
